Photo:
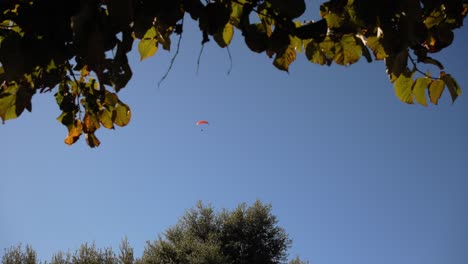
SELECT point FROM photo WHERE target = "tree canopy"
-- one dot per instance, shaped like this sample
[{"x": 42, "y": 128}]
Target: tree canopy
[
  {"x": 64, "y": 46},
  {"x": 202, "y": 236}
]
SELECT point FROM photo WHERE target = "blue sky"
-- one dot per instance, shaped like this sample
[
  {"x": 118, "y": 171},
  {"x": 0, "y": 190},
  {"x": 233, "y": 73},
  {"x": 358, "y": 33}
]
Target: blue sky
[{"x": 353, "y": 174}]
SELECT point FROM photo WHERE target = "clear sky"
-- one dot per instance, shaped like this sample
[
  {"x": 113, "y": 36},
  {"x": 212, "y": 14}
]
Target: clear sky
[{"x": 353, "y": 174}]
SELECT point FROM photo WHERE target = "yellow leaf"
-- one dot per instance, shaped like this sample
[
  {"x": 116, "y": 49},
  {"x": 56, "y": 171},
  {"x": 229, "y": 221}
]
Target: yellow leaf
[
  {"x": 283, "y": 60},
  {"x": 403, "y": 86},
  {"x": 90, "y": 123},
  {"x": 8, "y": 101},
  {"x": 224, "y": 36},
  {"x": 375, "y": 44},
  {"x": 435, "y": 90},
  {"x": 74, "y": 132},
  {"x": 147, "y": 48},
  {"x": 121, "y": 114},
  {"x": 419, "y": 90},
  {"x": 348, "y": 51},
  {"x": 148, "y": 44},
  {"x": 314, "y": 53}
]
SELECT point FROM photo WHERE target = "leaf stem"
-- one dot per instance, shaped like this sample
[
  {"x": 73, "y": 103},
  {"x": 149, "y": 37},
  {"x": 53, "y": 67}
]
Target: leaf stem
[{"x": 418, "y": 70}]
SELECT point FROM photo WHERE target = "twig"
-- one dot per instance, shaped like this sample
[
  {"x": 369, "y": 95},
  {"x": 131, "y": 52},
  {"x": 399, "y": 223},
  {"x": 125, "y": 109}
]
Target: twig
[
  {"x": 230, "y": 60},
  {"x": 418, "y": 70},
  {"x": 173, "y": 58},
  {"x": 199, "y": 57}
]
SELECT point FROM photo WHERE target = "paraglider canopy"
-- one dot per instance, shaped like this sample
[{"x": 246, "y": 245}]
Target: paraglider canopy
[{"x": 202, "y": 122}]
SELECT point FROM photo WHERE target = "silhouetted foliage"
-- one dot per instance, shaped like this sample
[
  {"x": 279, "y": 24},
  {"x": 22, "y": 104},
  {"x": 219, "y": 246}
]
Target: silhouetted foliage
[{"x": 244, "y": 235}]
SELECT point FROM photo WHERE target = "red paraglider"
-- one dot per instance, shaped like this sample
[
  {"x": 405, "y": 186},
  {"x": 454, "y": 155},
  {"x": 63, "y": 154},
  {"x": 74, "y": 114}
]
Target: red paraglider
[{"x": 202, "y": 122}]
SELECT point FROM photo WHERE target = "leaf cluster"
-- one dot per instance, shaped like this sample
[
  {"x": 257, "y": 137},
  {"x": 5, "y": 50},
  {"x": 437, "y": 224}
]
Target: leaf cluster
[{"x": 50, "y": 44}]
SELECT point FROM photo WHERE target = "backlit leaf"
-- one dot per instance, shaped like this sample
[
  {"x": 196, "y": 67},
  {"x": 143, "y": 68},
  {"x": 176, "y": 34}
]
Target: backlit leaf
[
  {"x": 314, "y": 53},
  {"x": 435, "y": 90},
  {"x": 121, "y": 114},
  {"x": 223, "y": 37},
  {"x": 452, "y": 85},
  {"x": 348, "y": 50},
  {"x": 8, "y": 101},
  {"x": 419, "y": 89},
  {"x": 375, "y": 44},
  {"x": 105, "y": 117},
  {"x": 90, "y": 123},
  {"x": 284, "y": 59},
  {"x": 403, "y": 87},
  {"x": 74, "y": 132},
  {"x": 148, "y": 44},
  {"x": 147, "y": 48}
]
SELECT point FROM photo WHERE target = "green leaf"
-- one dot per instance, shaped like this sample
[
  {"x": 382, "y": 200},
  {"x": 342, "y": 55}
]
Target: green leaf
[
  {"x": 284, "y": 59},
  {"x": 403, "y": 87},
  {"x": 435, "y": 90},
  {"x": 147, "y": 48},
  {"x": 237, "y": 8},
  {"x": 8, "y": 101},
  {"x": 331, "y": 14},
  {"x": 121, "y": 114},
  {"x": 224, "y": 36},
  {"x": 105, "y": 117},
  {"x": 148, "y": 45},
  {"x": 375, "y": 44},
  {"x": 419, "y": 89},
  {"x": 348, "y": 51},
  {"x": 315, "y": 54},
  {"x": 328, "y": 48},
  {"x": 452, "y": 85}
]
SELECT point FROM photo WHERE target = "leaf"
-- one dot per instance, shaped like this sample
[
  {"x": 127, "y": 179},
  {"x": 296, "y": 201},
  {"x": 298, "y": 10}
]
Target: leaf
[
  {"x": 148, "y": 45},
  {"x": 403, "y": 85},
  {"x": 105, "y": 117},
  {"x": 348, "y": 50},
  {"x": 8, "y": 101},
  {"x": 224, "y": 36},
  {"x": 329, "y": 12},
  {"x": 315, "y": 54},
  {"x": 284, "y": 59},
  {"x": 429, "y": 60},
  {"x": 90, "y": 123},
  {"x": 92, "y": 140},
  {"x": 375, "y": 44},
  {"x": 452, "y": 85},
  {"x": 147, "y": 48},
  {"x": 435, "y": 90},
  {"x": 74, "y": 132},
  {"x": 237, "y": 8},
  {"x": 121, "y": 114},
  {"x": 23, "y": 98},
  {"x": 419, "y": 89},
  {"x": 256, "y": 37},
  {"x": 397, "y": 65},
  {"x": 328, "y": 48}
]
